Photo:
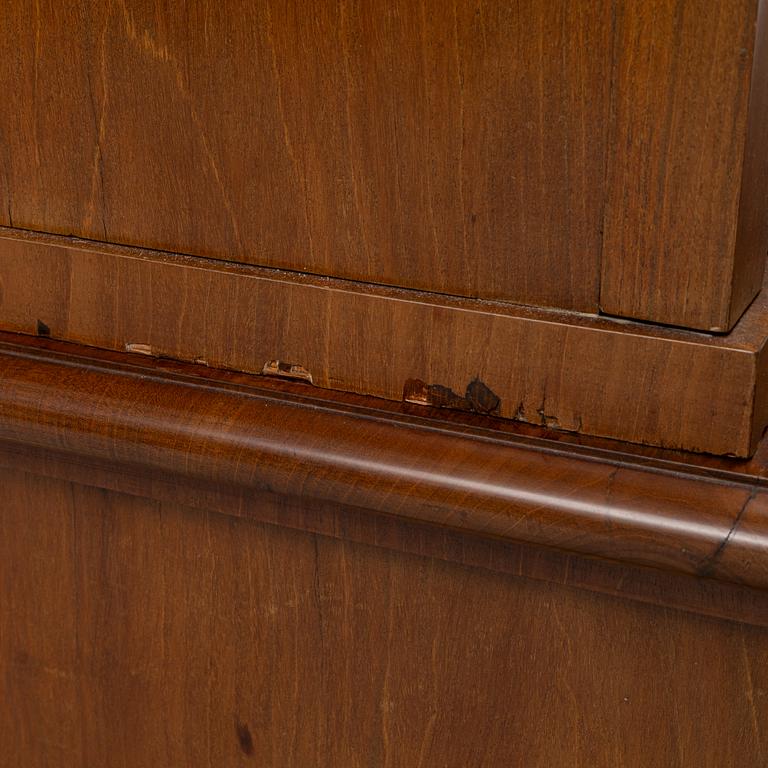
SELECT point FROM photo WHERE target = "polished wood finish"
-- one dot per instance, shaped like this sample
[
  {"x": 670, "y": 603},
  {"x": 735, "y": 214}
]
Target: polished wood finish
[
  {"x": 617, "y": 578},
  {"x": 584, "y": 374},
  {"x": 199, "y": 565},
  {"x": 486, "y": 149},
  {"x": 216, "y": 548},
  {"x": 220, "y": 432},
  {"x": 137, "y": 633},
  {"x": 456, "y": 149},
  {"x": 686, "y": 231},
  {"x": 752, "y": 227}
]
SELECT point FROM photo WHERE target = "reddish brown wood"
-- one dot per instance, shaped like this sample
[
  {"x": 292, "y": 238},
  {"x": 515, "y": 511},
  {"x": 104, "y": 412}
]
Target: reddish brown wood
[
  {"x": 752, "y": 227},
  {"x": 490, "y": 150},
  {"x": 621, "y": 579},
  {"x": 230, "y": 434},
  {"x": 136, "y": 633},
  {"x": 596, "y": 376},
  {"x": 686, "y": 230},
  {"x": 726, "y": 468},
  {"x": 206, "y": 567},
  {"x": 458, "y": 149}
]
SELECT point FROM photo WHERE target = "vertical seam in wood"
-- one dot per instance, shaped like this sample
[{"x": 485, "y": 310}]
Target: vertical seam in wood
[{"x": 606, "y": 160}]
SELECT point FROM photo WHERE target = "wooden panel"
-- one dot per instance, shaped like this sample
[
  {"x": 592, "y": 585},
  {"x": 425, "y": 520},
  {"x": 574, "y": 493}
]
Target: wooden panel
[
  {"x": 458, "y": 149},
  {"x": 709, "y": 596},
  {"x": 236, "y": 435},
  {"x": 134, "y": 633},
  {"x": 752, "y": 228},
  {"x": 687, "y": 191},
  {"x": 461, "y": 152},
  {"x": 599, "y": 377}
]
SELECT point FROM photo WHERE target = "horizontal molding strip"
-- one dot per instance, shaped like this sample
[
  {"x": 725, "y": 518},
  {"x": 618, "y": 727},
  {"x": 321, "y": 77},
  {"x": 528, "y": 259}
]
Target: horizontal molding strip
[
  {"x": 591, "y": 375},
  {"x": 145, "y": 417}
]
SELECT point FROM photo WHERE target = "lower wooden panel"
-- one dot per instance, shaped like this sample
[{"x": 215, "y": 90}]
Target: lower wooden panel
[{"x": 140, "y": 633}]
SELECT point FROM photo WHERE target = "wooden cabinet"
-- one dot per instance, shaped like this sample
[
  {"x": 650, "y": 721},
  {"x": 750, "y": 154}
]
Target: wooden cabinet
[
  {"x": 383, "y": 383},
  {"x": 587, "y": 156},
  {"x": 205, "y": 566},
  {"x": 425, "y": 194}
]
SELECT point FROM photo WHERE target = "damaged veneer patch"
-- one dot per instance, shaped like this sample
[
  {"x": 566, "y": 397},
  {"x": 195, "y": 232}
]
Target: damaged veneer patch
[
  {"x": 141, "y": 349},
  {"x": 150, "y": 351},
  {"x": 478, "y": 398},
  {"x": 286, "y": 371}
]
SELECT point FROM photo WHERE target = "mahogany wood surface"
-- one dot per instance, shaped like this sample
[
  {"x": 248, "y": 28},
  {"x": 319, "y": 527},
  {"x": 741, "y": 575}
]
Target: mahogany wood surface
[
  {"x": 235, "y": 434},
  {"x": 138, "y": 633},
  {"x": 456, "y": 148},
  {"x": 200, "y": 566},
  {"x": 752, "y": 226},
  {"x": 491, "y": 150},
  {"x": 618, "y": 578},
  {"x": 217, "y": 548},
  {"x": 686, "y": 230},
  {"x": 629, "y": 381}
]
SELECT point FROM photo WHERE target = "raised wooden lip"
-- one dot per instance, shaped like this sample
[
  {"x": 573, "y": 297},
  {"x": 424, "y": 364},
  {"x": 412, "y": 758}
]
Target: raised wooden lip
[
  {"x": 93, "y": 407},
  {"x": 578, "y": 372}
]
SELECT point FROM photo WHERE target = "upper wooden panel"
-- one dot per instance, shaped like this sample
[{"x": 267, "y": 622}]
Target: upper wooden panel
[
  {"x": 686, "y": 204},
  {"x": 454, "y": 148},
  {"x": 490, "y": 150}
]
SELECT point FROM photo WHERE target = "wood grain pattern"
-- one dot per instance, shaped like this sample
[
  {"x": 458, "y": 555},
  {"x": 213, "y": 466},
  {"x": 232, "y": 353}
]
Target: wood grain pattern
[
  {"x": 599, "y": 377},
  {"x": 136, "y": 633},
  {"x": 686, "y": 230},
  {"x": 454, "y": 148},
  {"x": 236, "y": 435},
  {"x": 646, "y": 584},
  {"x": 487, "y": 151},
  {"x": 752, "y": 226},
  {"x": 725, "y": 468}
]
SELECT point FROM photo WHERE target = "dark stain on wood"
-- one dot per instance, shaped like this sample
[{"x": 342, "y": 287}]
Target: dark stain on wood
[
  {"x": 43, "y": 329},
  {"x": 478, "y": 398},
  {"x": 481, "y": 398},
  {"x": 244, "y": 738}
]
